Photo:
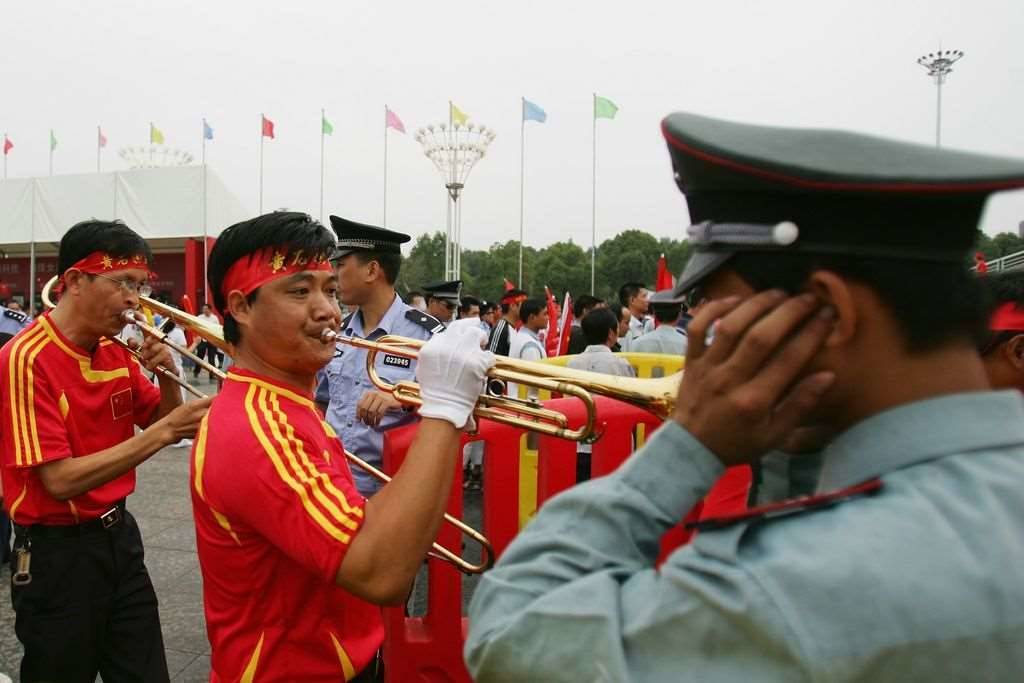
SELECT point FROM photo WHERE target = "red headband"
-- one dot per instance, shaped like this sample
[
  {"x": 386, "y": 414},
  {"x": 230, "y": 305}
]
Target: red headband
[
  {"x": 99, "y": 262},
  {"x": 1008, "y": 316},
  {"x": 514, "y": 299},
  {"x": 257, "y": 269}
]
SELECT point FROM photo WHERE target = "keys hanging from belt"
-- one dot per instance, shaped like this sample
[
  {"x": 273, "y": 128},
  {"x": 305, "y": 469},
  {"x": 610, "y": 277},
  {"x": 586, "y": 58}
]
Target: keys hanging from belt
[{"x": 22, "y": 564}]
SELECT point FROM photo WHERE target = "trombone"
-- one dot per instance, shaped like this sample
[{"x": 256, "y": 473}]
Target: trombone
[{"x": 214, "y": 334}]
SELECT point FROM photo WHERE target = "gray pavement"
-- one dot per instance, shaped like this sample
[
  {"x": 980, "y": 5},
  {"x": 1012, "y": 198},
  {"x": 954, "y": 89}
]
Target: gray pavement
[{"x": 162, "y": 505}]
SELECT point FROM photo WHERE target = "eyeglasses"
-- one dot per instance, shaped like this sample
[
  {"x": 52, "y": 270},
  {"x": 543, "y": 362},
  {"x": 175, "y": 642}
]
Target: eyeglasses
[{"x": 129, "y": 286}]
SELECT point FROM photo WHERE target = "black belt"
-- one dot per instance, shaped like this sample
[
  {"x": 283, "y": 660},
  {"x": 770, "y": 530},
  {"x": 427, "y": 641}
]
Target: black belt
[{"x": 107, "y": 520}]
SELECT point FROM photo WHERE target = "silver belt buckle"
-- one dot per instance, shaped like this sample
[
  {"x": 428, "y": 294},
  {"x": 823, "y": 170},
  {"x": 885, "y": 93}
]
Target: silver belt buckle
[{"x": 110, "y": 517}]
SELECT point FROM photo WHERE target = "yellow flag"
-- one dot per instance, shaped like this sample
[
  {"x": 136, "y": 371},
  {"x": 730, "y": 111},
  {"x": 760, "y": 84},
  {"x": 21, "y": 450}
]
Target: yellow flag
[
  {"x": 458, "y": 116},
  {"x": 155, "y": 136}
]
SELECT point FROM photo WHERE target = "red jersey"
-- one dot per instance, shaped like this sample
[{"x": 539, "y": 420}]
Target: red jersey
[
  {"x": 275, "y": 510},
  {"x": 58, "y": 400}
]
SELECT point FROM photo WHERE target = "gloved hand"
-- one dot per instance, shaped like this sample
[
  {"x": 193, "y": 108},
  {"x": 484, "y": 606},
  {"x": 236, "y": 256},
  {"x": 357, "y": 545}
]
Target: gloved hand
[{"x": 451, "y": 370}]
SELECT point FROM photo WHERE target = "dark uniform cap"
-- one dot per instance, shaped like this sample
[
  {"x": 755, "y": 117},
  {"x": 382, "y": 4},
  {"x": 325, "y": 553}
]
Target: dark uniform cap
[
  {"x": 445, "y": 290},
  {"x": 354, "y": 236},
  {"x": 755, "y": 188}
]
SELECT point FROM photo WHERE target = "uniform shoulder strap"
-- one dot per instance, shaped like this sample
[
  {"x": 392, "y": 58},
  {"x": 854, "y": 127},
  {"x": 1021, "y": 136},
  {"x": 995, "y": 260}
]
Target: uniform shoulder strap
[
  {"x": 17, "y": 316},
  {"x": 793, "y": 506},
  {"x": 424, "y": 320},
  {"x": 346, "y": 319}
]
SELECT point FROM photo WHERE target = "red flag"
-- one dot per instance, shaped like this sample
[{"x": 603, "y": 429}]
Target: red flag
[
  {"x": 551, "y": 338},
  {"x": 664, "y": 280},
  {"x": 508, "y": 285},
  {"x": 268, "y": 128},
  {"x": 979, "y": 262},
  {"x": 8, "y": 145},
  {"x": 186, "y": 305},
  {"x": 102, "y": 140},
  {"x": 565, "y": 328}
]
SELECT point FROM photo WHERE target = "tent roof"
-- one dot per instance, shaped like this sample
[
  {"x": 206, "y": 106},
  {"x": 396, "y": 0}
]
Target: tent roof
[{"x": 162, "y": 204}]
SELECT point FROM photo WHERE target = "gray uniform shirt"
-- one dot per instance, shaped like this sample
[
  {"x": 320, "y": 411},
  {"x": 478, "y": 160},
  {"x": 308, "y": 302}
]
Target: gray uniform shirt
[
  {"x": 664, "y": 339},
  {"x": 344, "y": 381},
  {"x": 599, "y": 358},
  {"x": 919, "y": 582}
]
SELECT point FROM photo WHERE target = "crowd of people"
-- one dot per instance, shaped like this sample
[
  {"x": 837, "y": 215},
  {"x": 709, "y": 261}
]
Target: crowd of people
[{"x": 836, "y": 345}]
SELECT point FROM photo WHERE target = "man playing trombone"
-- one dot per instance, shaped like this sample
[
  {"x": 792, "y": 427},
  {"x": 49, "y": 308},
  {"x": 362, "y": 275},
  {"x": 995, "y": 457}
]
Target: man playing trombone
[
  {"x": 295, "y": 561},
  {"x": 70, "y": 401}
]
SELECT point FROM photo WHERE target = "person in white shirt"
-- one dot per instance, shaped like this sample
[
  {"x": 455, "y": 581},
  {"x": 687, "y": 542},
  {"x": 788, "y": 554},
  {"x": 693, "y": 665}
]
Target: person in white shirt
[
  {"x": 203, "y": 348},
  {"x": 525, "y": 342},
  {"x": 601, "y": 329},
  {"x": 667, "y": 337},
  {"x": 634, "y": 296}
]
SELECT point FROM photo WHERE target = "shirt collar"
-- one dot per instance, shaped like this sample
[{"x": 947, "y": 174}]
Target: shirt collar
[
  {"x": 526, "y": 330},
  {"x": 597, "y": 348},
  {"x": 355, "y": 321},
  {"x": 922, "y": 431}
]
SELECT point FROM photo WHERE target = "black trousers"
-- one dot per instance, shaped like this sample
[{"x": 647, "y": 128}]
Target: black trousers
[
  {"x": 89, "y": 609},
  {"x": 207, "y": 352}
]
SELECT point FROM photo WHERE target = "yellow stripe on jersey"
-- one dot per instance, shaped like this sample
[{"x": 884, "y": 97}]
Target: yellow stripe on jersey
[
  {"x": 301, "y": 400},
  {"x": 346, "y": 662},
  {"x": 310, "y": 468},
  {"x": 16, "y": 383},
  {"x": 36, "y": 449},
  {"x": 282, "y": 472},
  {"x": 17, "y": 501},
  {"x": 249, "y": 675},
  {"x": 84, "y": 362},
  {"x": 63, "y": 405},
  {"x": 199, "y": 456}
]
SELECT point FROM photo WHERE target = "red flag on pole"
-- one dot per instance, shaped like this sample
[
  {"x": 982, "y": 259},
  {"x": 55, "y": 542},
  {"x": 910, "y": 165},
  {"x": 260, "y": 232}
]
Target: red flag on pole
[
  {"x": 565, "y": 328},
  {"x": 980, "y": 264},
  {"x": 551, "y": 338},
  {"x": 664, "y": 280},
  {"x": 8, "y": 145},
  {"x": 268, "y": 128},
  {"x": 508, "y": 285}
]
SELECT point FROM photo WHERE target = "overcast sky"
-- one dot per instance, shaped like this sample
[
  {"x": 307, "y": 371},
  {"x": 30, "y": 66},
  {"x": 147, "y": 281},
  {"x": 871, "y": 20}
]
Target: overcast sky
[{"x": 825, "y": 63}]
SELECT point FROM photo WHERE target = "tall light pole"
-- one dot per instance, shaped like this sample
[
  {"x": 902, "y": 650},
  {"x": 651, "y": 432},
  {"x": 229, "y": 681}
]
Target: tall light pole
[
  {"x": 939, "y": 65},
  {"x": 454, "y": 148}
]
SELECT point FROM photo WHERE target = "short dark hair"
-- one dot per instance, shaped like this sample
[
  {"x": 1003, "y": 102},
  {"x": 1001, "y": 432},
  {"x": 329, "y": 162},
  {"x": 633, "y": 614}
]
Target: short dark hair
[
  {"x": 112, "y": 237},
  {"x": 630, "y": 290},
  {"x": 412, "y": 295},
  {"x": 292, "y": 231},
  {"x": 468, "y": 302},
  {"x": 597, "y": 324},
  {"x": 511, "y": 292},
  {"x": 531, "y": 307},
  {"x": 666, "y": 313},
  {"x": 1001, "y": 288},
  {"x": 621, "y": 311},
  {"x": 390, "y": 262},
  {"x": 932, "y": 303},
  {"x": 583, "y": 303}
]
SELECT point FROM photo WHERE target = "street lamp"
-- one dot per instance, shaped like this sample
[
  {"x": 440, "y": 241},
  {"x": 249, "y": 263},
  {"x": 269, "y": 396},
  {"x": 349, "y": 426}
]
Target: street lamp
[
  {"x": 454, "y": 148},
  {"x": 939, "y": 65}
]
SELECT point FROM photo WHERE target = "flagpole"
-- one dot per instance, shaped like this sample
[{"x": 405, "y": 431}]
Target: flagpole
[
  {"x": 385, "y": 221},
  {"x": 99, "y": 132},
  {"x": 522, "y": 182},
  {"x": 51, "y": 151},
  {"x": 206, "y": 233},
  {"x": 32, "y": 255},
  {"x": 5, "y": 156},
  {"x": 593, "y": 201},
  {"x": 322, "y": 114},
  {"x": 262, "y": 118}
]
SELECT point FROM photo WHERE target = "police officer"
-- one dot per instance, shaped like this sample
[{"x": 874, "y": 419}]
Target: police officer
[
  {"x": 835, "y": 268},
  {"x": 11, "y": 323},
  {"x": 443, "y": 299},
  {"x": 367, "y": 261},
  {"x": 667, "y": 336}
]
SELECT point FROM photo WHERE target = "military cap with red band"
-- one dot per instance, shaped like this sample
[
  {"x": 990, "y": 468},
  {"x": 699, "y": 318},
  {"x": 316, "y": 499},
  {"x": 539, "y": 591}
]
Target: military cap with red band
[{"x": 258, "y": 268}]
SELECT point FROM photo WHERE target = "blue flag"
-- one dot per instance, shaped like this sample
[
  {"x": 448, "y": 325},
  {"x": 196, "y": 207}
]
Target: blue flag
[
  {"x": 207, "y": 131},
  {"x": 531, "y": 112}
]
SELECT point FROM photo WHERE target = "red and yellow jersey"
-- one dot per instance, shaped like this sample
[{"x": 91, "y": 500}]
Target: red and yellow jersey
[
  {"x": 275, "y": 511},
  {"x": 57, "y": 400}
]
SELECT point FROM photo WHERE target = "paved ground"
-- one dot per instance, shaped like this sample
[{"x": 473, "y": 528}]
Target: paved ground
[{"x": 162, "y": 506}]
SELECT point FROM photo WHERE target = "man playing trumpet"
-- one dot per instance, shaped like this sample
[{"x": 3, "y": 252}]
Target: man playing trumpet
[
  {"x": 70, "y": 402},
  {"x": 295, "y": 561}
]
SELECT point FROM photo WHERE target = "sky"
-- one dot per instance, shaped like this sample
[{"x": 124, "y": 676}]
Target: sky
[{"x": 73, "y": 65}]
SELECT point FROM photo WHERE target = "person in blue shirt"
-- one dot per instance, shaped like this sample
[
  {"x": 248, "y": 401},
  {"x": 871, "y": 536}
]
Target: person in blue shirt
[
  {"x": 835, "y": 271},
  {"x": 367, "y": 262}
]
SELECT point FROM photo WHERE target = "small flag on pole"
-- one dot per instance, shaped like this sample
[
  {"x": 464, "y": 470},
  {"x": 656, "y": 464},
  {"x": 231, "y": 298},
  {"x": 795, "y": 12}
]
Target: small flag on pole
[
  {"x": 664, "y": 278},
  {"x": 101, "y": 138},
  {"x": 532, "y": 112},
  {"x": 53, "y": 140},
  {"x": 268, "y": 128},
  {"x": 155, "y": 136},
  {"x": 458, "y": 116},
  {"x": 604, "y": 108},
  {"x": 8, "y": 145},
  {"x": 508, "y": 285},
  {"x": 207, "y": 131},
  {"x": 391, "y": 120},
  {"x": 325, "y": 126}
]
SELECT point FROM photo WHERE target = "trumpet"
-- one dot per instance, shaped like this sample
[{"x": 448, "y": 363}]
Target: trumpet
[{"x": 214, "y": 334}]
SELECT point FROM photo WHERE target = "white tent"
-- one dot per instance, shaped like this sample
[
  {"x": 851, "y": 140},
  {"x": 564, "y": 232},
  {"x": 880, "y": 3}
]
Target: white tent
[{"x": 164, "y": 205}]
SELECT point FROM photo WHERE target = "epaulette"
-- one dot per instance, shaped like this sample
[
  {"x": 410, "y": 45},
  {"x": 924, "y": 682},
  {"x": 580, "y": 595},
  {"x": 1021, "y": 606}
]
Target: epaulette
[
  {"x": 15, "y": 315},
  {"x": 793, "y": 506},
  {"x": 425, "y": 320}
]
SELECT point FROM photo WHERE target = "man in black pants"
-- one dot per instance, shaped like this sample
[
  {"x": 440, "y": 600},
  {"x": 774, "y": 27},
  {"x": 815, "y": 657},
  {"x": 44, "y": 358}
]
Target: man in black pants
[{"x": 70, "y": 401}]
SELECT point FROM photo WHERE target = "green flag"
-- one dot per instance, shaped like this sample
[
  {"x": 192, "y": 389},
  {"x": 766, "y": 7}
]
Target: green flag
[
  {"x": 53, "y": 140},
  {"x": 325, "y": 126},
  {"x": 604, "y": 108}
]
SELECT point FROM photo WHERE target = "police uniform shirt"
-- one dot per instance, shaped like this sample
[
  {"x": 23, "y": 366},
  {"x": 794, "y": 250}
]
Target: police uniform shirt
[
  {"x": 663, "y": 339},
  {"x": 640, "y": 326},
  {"x": 344, "y": 381},
  {"x": 917, "y": 582},
  {"x": 11, "y": 323}
]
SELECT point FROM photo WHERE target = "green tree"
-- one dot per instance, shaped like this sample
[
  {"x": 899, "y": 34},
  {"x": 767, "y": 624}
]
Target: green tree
[{"x": 424, "y": 264}]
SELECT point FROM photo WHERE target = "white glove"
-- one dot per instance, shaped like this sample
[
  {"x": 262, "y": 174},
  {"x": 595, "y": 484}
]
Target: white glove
[{"x": 451, "y": 371}]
